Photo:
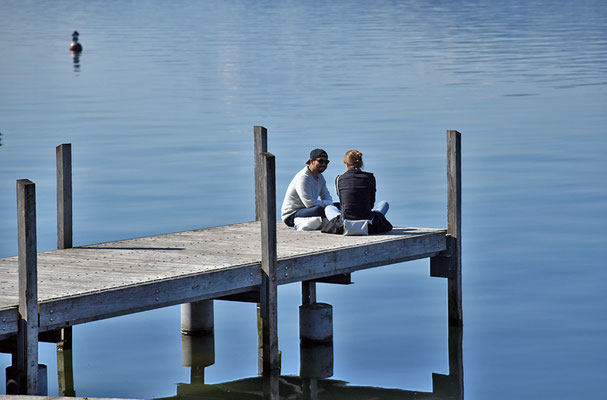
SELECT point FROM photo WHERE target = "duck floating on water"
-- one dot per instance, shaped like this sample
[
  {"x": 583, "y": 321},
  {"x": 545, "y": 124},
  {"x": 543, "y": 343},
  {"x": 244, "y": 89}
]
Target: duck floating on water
[{"x": 75, "y": 46}]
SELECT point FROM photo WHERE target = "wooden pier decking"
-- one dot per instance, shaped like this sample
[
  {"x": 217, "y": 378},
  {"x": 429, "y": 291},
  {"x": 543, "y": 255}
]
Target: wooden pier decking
[
  {"x": 54, "y": 290},
  {"x": 93, "y": 282}
]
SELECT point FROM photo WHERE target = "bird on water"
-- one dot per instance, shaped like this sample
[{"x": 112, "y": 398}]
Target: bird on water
[{"x": 75, "y": 46}]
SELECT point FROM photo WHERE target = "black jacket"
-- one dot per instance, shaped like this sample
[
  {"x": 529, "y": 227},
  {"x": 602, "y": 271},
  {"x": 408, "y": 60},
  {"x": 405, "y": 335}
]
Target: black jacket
[{"x": 356, "y": 191}]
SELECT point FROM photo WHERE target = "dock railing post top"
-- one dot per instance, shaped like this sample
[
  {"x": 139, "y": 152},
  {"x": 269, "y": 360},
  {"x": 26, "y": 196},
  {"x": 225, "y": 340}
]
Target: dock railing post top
[
  {"x": 24, "y": 182},
  {"x": 260, "y": 137},
  {"x": 64, "y": 196}
]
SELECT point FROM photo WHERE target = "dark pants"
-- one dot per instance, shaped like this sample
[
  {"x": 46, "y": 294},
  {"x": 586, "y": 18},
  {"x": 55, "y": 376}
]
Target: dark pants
[{"x": 316, "y": 211}]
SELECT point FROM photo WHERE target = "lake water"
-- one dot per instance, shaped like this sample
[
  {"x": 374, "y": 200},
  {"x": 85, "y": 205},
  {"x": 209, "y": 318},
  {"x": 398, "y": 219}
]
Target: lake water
[{"x": 160, "y": 109}]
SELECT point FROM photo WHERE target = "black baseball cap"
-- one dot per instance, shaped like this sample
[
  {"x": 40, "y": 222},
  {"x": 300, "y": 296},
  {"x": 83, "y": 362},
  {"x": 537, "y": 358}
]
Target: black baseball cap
[{"x": 317, "y": 153}]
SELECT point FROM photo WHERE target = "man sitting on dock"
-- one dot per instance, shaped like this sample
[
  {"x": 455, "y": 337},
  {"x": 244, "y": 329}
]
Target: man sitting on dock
[{"x": 307, "y": 194}]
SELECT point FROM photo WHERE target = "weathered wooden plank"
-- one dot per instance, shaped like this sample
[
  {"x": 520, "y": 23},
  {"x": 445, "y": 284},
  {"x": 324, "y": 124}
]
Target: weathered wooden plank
[
  {"x": 341, "y": 279},
  {"x": 247, "y": 297},
  {"x": 70, "y": 273},
  {"x": 83, "y": 285},
  {"x": 454, "y": 224},
  {"x": 322, "y": 264},
  {"x": 150, "y": 295},
  {"x": 27, "y": 339},
  {"x": 117, "y": 260},
  {"x": 9, "y": 318},
  {"x": 151, "y": 265},
  {"x": 112, "y": 270}
]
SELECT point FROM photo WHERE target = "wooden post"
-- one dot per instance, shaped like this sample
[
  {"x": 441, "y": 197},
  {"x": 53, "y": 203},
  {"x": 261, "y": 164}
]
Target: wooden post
[
  {"x": 260, "y": 146},
  {"x": 64, "y": 196},
  {"x": 454, "y": 225},
  {"x": 65, "y": 374},
  {"x": 198, "y": 318},
  {"x": 308, "y": 292},
  {"x": 27, "y": 336},
  {"x": 268, "y": 290}
]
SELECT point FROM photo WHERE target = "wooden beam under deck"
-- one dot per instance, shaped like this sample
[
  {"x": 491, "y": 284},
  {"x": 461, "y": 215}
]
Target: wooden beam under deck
[{"x": 105, "y": 280}]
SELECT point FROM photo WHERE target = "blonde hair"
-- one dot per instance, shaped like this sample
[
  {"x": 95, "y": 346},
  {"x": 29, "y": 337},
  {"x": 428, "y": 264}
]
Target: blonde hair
[{"x": 354, "y": 159}]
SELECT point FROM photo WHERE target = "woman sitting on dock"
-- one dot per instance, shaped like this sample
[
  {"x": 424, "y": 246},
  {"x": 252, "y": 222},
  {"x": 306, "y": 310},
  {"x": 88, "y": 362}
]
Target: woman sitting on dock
[{"x": 356, "y": 191}]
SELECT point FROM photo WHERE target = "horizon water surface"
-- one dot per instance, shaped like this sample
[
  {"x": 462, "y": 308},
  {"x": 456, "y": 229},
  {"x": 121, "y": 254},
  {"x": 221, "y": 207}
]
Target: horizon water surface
[{"x": 160, "y": 109}]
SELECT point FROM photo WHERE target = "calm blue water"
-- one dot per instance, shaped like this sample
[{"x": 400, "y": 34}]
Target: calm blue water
[{"x": 160, "y": 109}]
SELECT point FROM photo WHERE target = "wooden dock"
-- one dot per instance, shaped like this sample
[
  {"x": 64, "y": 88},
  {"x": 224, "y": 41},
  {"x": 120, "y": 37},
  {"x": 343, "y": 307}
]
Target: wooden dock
[
  {"x": 54, "y": 290},
  {"x": 93, "y": 282}
]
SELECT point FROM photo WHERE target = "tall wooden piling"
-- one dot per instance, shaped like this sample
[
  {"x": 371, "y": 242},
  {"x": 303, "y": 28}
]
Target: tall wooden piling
[
  {"x": 260, "y": 146},
  {"x": 65, "y": 374},
  {"x": 268, "y": 290},
  {"x": 454, "y": 225},
  {"x": 64, "y": 196},
  {"x": 27, "y": 336}
]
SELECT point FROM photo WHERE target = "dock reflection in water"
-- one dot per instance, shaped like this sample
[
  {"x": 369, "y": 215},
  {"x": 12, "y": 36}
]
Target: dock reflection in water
[{"x": 313, "y": 383}]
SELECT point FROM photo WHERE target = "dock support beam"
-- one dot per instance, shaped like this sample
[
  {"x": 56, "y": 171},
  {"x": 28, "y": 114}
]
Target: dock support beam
[
  {"x": 308, "y": 292},
  {"x": 197, "y": 318},
  {"x": 269, "y": 289},
  {"x": 27, "y": 336},
  {"x": 454, "y": 225}
]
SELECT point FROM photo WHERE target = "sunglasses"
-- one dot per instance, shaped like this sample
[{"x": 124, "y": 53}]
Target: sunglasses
[{"x": 322, "y": 161}]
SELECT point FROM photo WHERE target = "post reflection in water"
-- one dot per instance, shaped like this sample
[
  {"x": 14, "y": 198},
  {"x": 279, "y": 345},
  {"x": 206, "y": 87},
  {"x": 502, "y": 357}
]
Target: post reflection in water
[
  {"x": 197, "y": 353},
  {"x": 316, "y": 365},
  {"x": 315, "y": 362},
  {"x": 65, "y": 367}
]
